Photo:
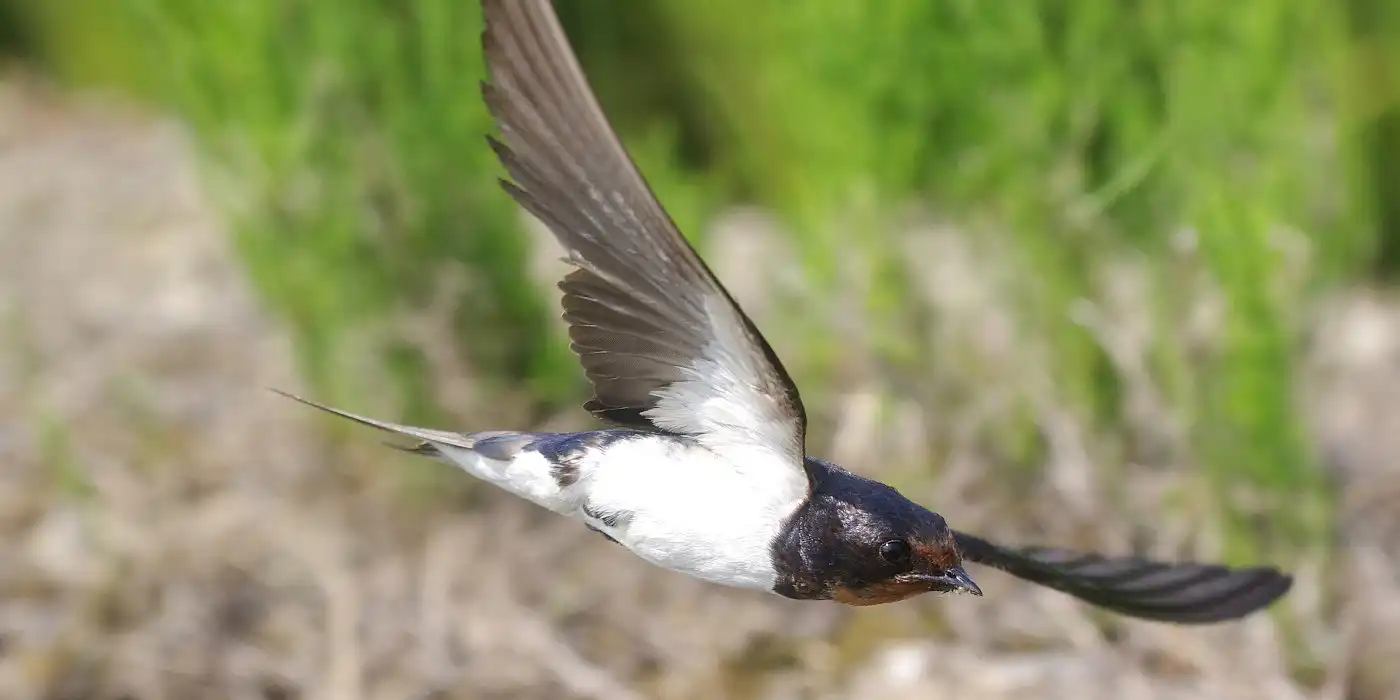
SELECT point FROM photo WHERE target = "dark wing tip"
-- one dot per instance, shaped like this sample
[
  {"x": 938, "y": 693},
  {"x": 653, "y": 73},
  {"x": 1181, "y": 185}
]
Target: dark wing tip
[
  {"x": 1228, "y": 595},
  {"x": 1183, "y": 593}
]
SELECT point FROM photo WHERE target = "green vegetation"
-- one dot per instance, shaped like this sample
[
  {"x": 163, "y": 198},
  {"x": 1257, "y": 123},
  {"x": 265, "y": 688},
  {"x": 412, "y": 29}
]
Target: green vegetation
[{"x": 1211, "y": 142}]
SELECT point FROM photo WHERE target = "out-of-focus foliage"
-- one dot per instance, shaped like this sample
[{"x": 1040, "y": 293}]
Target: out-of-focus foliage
[{"x": 1210, "y": 139}]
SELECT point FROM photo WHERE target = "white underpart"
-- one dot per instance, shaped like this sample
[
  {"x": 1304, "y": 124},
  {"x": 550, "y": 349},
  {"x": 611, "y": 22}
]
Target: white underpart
[
  {"x": 682, "y": 507},
  {"x": 709, "y": 507},
  {"x": 527, "y": 475}
]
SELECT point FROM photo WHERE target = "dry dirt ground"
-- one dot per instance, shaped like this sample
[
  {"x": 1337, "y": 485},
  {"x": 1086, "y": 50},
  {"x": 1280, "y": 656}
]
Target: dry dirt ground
[{"x": 171, "y": 530}]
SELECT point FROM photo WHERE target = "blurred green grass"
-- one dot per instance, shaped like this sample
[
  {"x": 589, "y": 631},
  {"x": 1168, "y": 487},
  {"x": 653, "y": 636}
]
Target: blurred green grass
[{"x": 1204, "y": 138}]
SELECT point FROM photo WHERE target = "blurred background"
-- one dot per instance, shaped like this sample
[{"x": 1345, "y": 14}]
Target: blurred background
[{"x": 1105, "y": 274}]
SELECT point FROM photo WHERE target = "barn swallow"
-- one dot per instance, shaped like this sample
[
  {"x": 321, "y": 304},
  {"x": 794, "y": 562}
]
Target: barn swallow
[{"x": 704, "y": 469}]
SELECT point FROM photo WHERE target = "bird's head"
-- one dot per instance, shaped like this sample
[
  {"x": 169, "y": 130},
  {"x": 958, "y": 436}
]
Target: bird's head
[{"x": 861, "y": 542}]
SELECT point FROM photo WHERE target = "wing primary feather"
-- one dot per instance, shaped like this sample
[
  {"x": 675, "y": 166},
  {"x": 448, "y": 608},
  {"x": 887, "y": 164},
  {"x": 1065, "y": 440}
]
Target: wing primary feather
[
  {"x": 661, "y": 340},
  {"x": 1186, "y": 593}
]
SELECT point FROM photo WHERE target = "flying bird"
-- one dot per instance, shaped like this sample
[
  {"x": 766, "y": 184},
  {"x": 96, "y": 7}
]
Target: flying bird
[{"x": 704, "y": 469}]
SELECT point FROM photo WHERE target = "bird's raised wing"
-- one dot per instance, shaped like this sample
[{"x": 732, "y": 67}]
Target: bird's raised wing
[
  {"x": 1187, "y": 593},
  {"x": 659, "y": 337}
]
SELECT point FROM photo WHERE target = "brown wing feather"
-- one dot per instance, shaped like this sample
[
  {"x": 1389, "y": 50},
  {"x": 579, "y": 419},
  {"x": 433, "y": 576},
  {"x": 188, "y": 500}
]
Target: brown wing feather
[{"x": 660, "y": 339}]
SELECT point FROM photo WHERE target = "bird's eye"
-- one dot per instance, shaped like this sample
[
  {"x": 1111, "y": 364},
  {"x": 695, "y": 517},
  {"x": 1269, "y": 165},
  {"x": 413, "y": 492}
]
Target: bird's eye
[{"x": 895, "y": 551}]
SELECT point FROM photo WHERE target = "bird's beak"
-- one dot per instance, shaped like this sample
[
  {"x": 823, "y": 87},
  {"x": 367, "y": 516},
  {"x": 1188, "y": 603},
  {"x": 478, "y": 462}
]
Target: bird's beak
[
  {"x": 957, "y": 576},
  {"x": 954, "y": 580}
]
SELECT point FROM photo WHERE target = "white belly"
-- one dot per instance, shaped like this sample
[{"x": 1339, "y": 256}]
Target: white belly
[
  {"x": 709, "y": 511},
  {"x": 684, "y": 508}
]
